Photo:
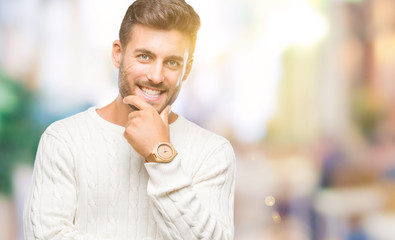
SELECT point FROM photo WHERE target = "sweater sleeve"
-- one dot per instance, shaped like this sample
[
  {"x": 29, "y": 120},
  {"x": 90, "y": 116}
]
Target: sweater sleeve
[
  {"x": 51, "y": 204},
  {"x": 198, "y": 207}
]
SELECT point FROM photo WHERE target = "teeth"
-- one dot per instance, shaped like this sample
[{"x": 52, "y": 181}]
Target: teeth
[{"x": 150, "y": 92}]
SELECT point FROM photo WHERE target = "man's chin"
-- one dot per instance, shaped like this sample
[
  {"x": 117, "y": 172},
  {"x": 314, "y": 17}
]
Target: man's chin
[
  {"x": 159, "y": 110},
  {"x": 158, "y": 107}
]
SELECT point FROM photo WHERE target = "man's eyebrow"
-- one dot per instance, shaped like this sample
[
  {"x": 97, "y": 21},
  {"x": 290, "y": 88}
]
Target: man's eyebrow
[
  {"x": 145, "y": 51},
  {"x": 175, "y": 58}
]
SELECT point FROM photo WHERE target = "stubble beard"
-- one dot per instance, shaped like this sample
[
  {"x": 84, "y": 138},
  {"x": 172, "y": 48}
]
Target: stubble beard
[
  {"x": 123, "y": 85},
  {"x": 125, "y": 89}
]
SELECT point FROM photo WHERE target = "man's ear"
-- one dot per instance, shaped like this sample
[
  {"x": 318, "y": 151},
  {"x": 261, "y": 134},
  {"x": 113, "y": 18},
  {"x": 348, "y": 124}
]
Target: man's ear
[
  {"x": 116, "y": 53},
  {"x": 188, "y": 69}
]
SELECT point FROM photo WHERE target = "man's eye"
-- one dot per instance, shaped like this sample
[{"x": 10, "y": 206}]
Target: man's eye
[
  {"x": 144, "y": 57},
  {"x": 173, "y": 63}
]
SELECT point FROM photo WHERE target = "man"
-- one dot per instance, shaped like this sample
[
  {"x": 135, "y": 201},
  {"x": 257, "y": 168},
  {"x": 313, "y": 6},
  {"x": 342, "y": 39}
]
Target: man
[{"x": 133, "y": 169}]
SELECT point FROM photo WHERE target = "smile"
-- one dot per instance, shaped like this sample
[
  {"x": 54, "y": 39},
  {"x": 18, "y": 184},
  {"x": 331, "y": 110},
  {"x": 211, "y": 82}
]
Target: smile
[{"x": 150, "y": 94}]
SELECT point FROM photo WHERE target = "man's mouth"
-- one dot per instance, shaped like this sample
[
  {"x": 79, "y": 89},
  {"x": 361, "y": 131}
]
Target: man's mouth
[{"x": 150, "y": 94}]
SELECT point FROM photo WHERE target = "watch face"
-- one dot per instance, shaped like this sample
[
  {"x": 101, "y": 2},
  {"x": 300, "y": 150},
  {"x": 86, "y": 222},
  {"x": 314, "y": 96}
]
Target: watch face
[{"x": 165, "y": 151}]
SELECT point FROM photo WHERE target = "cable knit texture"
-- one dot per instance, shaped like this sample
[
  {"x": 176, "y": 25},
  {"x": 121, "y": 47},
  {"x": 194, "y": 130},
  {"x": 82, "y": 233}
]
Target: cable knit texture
[{"x": 89, "y": 183}]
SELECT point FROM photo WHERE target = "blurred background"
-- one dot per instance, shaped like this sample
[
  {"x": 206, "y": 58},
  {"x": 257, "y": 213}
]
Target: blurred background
[{"x": 303, "y": 89}]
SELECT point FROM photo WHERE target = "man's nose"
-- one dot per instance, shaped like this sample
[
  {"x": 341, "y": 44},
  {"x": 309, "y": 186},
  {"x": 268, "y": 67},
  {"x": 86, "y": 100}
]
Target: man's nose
[{"x": 155, "y": 74}]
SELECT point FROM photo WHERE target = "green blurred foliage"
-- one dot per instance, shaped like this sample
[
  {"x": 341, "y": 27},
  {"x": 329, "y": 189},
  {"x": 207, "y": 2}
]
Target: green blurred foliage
[{"x": 19, "y": 132}]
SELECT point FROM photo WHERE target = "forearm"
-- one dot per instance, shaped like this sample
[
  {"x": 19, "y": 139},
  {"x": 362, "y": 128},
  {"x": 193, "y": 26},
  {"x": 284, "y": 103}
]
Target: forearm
[
  {"x": 180, "y": 215},
  {"x": 36, "y": 231},
  {"x": 193, "y": 208},
  {"x": 46, "y": 216},
  {"x": 50, "y": 207}
]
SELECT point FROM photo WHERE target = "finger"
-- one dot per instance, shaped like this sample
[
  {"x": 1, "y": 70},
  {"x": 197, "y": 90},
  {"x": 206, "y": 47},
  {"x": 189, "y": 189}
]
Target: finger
[
  {"x": 124, "y": 100},
  {"x": 133, "y": 107},
  {"x": 165, "y": 114},
  {"x": 137, "y": 102},
  {"x": 133, "y": 114}
]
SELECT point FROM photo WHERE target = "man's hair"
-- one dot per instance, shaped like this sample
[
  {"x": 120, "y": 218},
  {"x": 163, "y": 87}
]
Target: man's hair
[{"x": 162, "y": 15}]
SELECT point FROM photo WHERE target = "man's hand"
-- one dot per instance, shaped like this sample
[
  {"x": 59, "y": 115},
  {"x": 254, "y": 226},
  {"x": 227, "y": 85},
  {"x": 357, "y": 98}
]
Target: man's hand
[{"x": 145, "y": 127}]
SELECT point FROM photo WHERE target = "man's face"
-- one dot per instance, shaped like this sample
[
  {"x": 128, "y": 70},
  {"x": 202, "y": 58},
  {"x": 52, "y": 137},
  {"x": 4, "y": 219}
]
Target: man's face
[{"x": 153, "y": 65}]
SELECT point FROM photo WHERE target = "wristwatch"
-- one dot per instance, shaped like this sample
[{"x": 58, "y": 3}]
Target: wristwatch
[{"x": 162, "y": 153}]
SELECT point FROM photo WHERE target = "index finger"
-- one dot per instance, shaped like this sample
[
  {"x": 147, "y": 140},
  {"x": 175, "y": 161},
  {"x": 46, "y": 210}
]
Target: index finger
[{"x": 137, "y": 102}]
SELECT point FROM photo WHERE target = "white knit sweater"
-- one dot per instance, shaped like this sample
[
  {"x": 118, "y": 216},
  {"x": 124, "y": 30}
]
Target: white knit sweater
[{"x": 89, "y": 183}]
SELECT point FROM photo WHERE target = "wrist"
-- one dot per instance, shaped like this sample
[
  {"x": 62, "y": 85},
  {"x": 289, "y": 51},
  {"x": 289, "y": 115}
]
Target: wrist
[{"x": 163, "y": 152}]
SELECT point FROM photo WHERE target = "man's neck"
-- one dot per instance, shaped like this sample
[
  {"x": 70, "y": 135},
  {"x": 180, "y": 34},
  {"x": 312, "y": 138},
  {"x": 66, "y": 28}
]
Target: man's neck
[{"x": 117, "y": 112}]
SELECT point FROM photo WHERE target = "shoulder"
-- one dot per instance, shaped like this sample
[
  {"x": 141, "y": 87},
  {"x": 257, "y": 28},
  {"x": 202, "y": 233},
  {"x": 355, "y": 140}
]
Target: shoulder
[
  {"x": 190, "y": 129},
  {"x": 202, "y": 150},
  {"x": 191, "y": 134},
  {"x": 67, "y": 127}
]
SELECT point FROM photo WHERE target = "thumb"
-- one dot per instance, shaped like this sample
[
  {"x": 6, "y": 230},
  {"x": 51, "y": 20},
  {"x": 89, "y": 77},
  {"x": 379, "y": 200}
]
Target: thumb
[{"x": 165, "y": 114}]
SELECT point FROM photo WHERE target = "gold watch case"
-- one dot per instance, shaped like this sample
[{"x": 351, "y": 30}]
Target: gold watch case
[{"x": 162, "y": 153}]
